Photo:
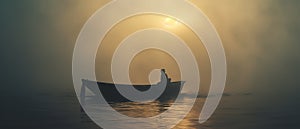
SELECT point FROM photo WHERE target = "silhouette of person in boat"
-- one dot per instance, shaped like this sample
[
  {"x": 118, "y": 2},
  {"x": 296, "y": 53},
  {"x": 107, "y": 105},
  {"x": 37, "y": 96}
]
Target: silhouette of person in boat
[{"x": 111, "y": 94}]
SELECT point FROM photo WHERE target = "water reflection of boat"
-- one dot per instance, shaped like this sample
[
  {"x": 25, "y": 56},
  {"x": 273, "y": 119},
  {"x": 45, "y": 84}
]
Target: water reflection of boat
[{"x": 111, "y": 94}]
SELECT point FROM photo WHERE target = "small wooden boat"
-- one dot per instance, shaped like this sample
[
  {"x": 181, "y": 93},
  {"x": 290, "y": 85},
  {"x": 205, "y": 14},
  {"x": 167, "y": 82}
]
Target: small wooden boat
[{"x": 111, "y": 94}]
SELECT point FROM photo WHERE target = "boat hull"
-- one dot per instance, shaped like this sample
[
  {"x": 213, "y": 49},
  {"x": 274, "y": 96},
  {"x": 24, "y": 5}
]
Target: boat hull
[{"x": 111, "y": 94}]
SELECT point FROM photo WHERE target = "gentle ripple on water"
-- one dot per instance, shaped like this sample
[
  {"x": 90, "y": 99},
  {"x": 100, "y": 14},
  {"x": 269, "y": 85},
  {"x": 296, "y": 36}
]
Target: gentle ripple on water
[{"x": 151, "y": 109}]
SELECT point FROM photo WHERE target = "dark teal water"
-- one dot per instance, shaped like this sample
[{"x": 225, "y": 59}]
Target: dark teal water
[{"x": 62, "y": 111}]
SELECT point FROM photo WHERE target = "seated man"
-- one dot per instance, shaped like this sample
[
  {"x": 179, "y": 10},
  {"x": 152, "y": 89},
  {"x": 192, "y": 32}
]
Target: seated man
[{"x": 163, "y": 74}]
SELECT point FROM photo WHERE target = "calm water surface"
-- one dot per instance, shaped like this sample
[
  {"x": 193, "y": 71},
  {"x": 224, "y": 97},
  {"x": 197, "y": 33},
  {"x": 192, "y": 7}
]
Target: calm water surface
[
  {"x": 230, "y": 115},
  {"x": 62, "y": 111}
]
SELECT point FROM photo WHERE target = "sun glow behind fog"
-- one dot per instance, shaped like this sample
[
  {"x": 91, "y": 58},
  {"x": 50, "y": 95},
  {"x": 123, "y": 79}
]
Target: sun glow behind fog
[
  {"x": 144, "y": 62},
  {"x": 170, "y": 23},
  {"x": 244, "y": 40}
]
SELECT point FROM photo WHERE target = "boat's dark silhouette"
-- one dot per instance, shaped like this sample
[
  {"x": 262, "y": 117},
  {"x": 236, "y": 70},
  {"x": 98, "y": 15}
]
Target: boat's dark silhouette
[{"x": 111, "y": 94}]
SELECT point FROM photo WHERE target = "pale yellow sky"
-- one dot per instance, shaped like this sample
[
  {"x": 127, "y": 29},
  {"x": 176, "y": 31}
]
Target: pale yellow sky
[
  {"x": 255, "y": 33},
  {"x": 148, "y": 60}
]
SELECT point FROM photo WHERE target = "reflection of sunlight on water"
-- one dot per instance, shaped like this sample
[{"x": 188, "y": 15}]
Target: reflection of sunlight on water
[
  {"x": 229, "y": 115},
  {"x": 133, "y": 109},
  {"x": 145, "y": 110}
]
